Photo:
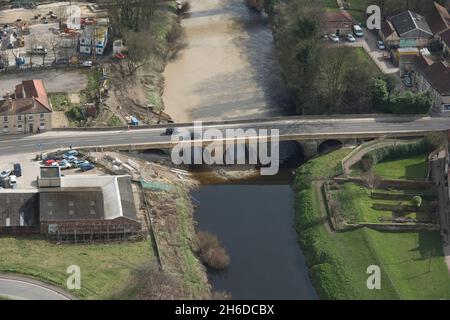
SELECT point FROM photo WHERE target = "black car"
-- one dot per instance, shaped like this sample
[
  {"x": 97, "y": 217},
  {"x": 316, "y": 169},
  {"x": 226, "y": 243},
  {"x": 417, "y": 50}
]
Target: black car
[
  {"x": 17, "y": 170},
  {"x": 169, "y": 132}
]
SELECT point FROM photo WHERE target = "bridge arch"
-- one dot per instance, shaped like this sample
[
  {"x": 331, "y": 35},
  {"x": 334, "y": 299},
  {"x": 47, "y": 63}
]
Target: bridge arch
[{"x": 329, "y": 145}]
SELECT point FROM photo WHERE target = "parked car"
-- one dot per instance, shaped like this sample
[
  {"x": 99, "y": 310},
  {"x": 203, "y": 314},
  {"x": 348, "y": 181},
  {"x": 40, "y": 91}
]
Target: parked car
[
  {"x": 64, "y": 164},
  {"x": 350, "y": 37},
  {"x": 17, "y": 170},
  {"x": 333, "y": 37},
  {"x": 50, "y": 162},
  {"x": 87, "y": 166},
  {"x": 5, "y": 173},
  {"x": 119, "y": 56},
  {"x": 70, "y": 153},
  {"x": 77, "y": 163},
  {"x": 39, "y": 50},
  {"x": 13, "y": 181},
  {"x": 380, "y": 45},
  {"x": 86, "y": 64},
  {"x": 70, "y": 158},
  {"x": 358, "y": 31}
]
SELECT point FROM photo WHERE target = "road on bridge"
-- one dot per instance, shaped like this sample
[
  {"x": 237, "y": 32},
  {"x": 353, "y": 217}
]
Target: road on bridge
[{"x": 289, "y": 126}]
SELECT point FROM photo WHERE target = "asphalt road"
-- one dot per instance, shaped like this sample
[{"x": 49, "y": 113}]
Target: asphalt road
[
  {"x": 17, "y": 289},
  {"x": 331, "y": 128}
]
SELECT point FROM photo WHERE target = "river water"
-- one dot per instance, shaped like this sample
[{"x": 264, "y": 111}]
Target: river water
[
  {"x": 254, "y": 222},
  {"x": 228, "y": 69}
]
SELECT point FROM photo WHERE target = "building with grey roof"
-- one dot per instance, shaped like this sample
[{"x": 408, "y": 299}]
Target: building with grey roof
[{"x": 412, "y": 29}]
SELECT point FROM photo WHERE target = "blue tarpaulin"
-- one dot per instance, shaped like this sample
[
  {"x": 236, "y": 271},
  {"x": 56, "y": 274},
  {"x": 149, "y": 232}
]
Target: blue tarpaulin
[{"x": 134, "y": 121}]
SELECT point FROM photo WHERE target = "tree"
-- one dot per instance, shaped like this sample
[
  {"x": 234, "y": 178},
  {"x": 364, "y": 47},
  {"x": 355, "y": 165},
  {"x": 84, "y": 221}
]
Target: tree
[
  {"x": 139, "y": 45},
  {"x": 371, "y": 180},
  {"x": 417, "y": 201}
]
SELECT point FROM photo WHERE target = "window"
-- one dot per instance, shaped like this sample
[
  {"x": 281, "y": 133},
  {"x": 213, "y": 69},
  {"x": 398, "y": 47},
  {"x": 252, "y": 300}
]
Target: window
[
  {"x": 30, "y": 117},
  {"x": 19, "y": 127},
  {"x": 50, "y": 204},
  {"x": 19, "y": 117},
  {"x": 92, "y": 203},
  {"x": 50, "y": 212},
  {"x": 71, "y": 212},
  {"x": 92, "y": 211},
  {"x": 5, "y": 128},
  {"x": 8, "y": 222},
  {"x": 71, "y": 203},
  {"x": 21, "y": 219},
  {"x": 5, "y": 118},
  {"x": 42, "y": 115},
  {"x": 446, "y": 107}
]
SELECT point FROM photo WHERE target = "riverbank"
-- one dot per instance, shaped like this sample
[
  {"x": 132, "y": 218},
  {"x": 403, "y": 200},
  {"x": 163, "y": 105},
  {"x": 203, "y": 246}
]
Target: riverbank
[{"x": 338, "y": 261}]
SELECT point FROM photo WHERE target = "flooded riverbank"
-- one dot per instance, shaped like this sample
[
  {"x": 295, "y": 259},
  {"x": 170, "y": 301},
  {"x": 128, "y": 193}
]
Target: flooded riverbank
[
  {"x": 254, "y": 222},
  {"x": 228, "y": 69}
]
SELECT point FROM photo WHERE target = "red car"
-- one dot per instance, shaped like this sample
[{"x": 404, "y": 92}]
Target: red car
[
  {"x": 49, "y": 162},
  {"x": 119, "y": 56}
]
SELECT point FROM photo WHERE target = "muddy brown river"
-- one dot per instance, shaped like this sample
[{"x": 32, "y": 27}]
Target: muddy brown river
[{"x": 228, "y": 69}]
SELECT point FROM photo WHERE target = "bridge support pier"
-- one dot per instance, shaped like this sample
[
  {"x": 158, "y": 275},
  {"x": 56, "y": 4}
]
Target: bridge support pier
[{"x": 309, "y": 148}]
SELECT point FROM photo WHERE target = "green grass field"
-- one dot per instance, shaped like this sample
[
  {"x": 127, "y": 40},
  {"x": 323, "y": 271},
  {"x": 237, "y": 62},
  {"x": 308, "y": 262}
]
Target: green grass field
[
  {"x": 105, "y": 268},
  {"x": 414, "y": 261},
  {"x": 338, "y": 261},
  {"x": 411, "y": 168}
]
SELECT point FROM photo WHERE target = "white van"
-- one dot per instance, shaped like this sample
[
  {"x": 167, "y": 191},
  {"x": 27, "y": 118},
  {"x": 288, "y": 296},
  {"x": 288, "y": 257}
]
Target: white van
[
  {"x": 13, "y": 181},
  {"x": 358, "y": 31}
]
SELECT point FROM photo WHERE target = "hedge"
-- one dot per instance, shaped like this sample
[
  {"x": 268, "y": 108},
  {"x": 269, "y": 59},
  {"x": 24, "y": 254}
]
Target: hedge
[{"x": 398, "y": 151}]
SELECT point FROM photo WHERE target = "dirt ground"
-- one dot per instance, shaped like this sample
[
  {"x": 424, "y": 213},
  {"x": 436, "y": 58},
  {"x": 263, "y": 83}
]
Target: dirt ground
[{"x": 11, "y": 15}]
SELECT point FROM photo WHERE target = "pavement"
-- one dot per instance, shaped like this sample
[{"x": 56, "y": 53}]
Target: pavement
[
  {"x": 21, "y": 288},
  {"x": 287, "y": 126}
]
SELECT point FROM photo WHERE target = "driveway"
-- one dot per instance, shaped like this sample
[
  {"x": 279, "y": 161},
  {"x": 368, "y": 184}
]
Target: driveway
[
  {"x": 55, "y": 80},
  {"x": 18, "y": 288}
]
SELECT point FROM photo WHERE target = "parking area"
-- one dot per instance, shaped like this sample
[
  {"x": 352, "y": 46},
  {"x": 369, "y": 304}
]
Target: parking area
[
  {"x": 55, "y": 80},
  {"x": 30, "y": 168}
]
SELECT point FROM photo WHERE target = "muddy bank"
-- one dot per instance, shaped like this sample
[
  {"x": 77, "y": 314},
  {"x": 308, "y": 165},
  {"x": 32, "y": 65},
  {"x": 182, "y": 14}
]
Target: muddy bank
[{"x": 228, "y": 69}]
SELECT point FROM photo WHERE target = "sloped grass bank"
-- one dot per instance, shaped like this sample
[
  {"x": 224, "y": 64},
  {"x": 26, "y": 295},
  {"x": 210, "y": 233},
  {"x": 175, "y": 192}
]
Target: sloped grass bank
[
  {"x": 105, "y": 268},
  {"x": 338, "y": 261}
]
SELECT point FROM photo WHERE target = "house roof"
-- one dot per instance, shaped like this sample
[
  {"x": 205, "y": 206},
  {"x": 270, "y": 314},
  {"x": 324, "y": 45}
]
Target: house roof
[
  {"x": 336, "y": 20},
  {"x": 437, "y": 74},
  {"x": 29, "y": 97},
  {"x": 62, "y": 204},
  {"x": 19, "y": 206},
  {"x": 408, "y": 21},
  {"x": 439, "y": 19},
  {"x": 387, "y": 28},
  {"x": 445, "y": 37}
]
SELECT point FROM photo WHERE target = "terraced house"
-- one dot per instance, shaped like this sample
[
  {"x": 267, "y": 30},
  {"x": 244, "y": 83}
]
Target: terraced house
[{"x": 28, "y": 110}]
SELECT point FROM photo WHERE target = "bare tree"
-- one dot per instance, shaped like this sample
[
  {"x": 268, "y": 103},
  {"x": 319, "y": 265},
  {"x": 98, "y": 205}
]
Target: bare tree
[
  {"x": 52, "y": 42},
  {"x": 139, "y": 46},
  {"x": 371, "y": 179}
]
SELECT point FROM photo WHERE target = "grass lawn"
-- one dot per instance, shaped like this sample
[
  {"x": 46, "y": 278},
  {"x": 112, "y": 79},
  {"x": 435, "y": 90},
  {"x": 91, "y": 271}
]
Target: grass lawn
[
  {"x": 406, "y": 259},
  {"x": 411, "y": 168},
  {"x": 356, "y": 205},
  {"x": 105, "y": 269},
  {"x": 338, "y": 261}
]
